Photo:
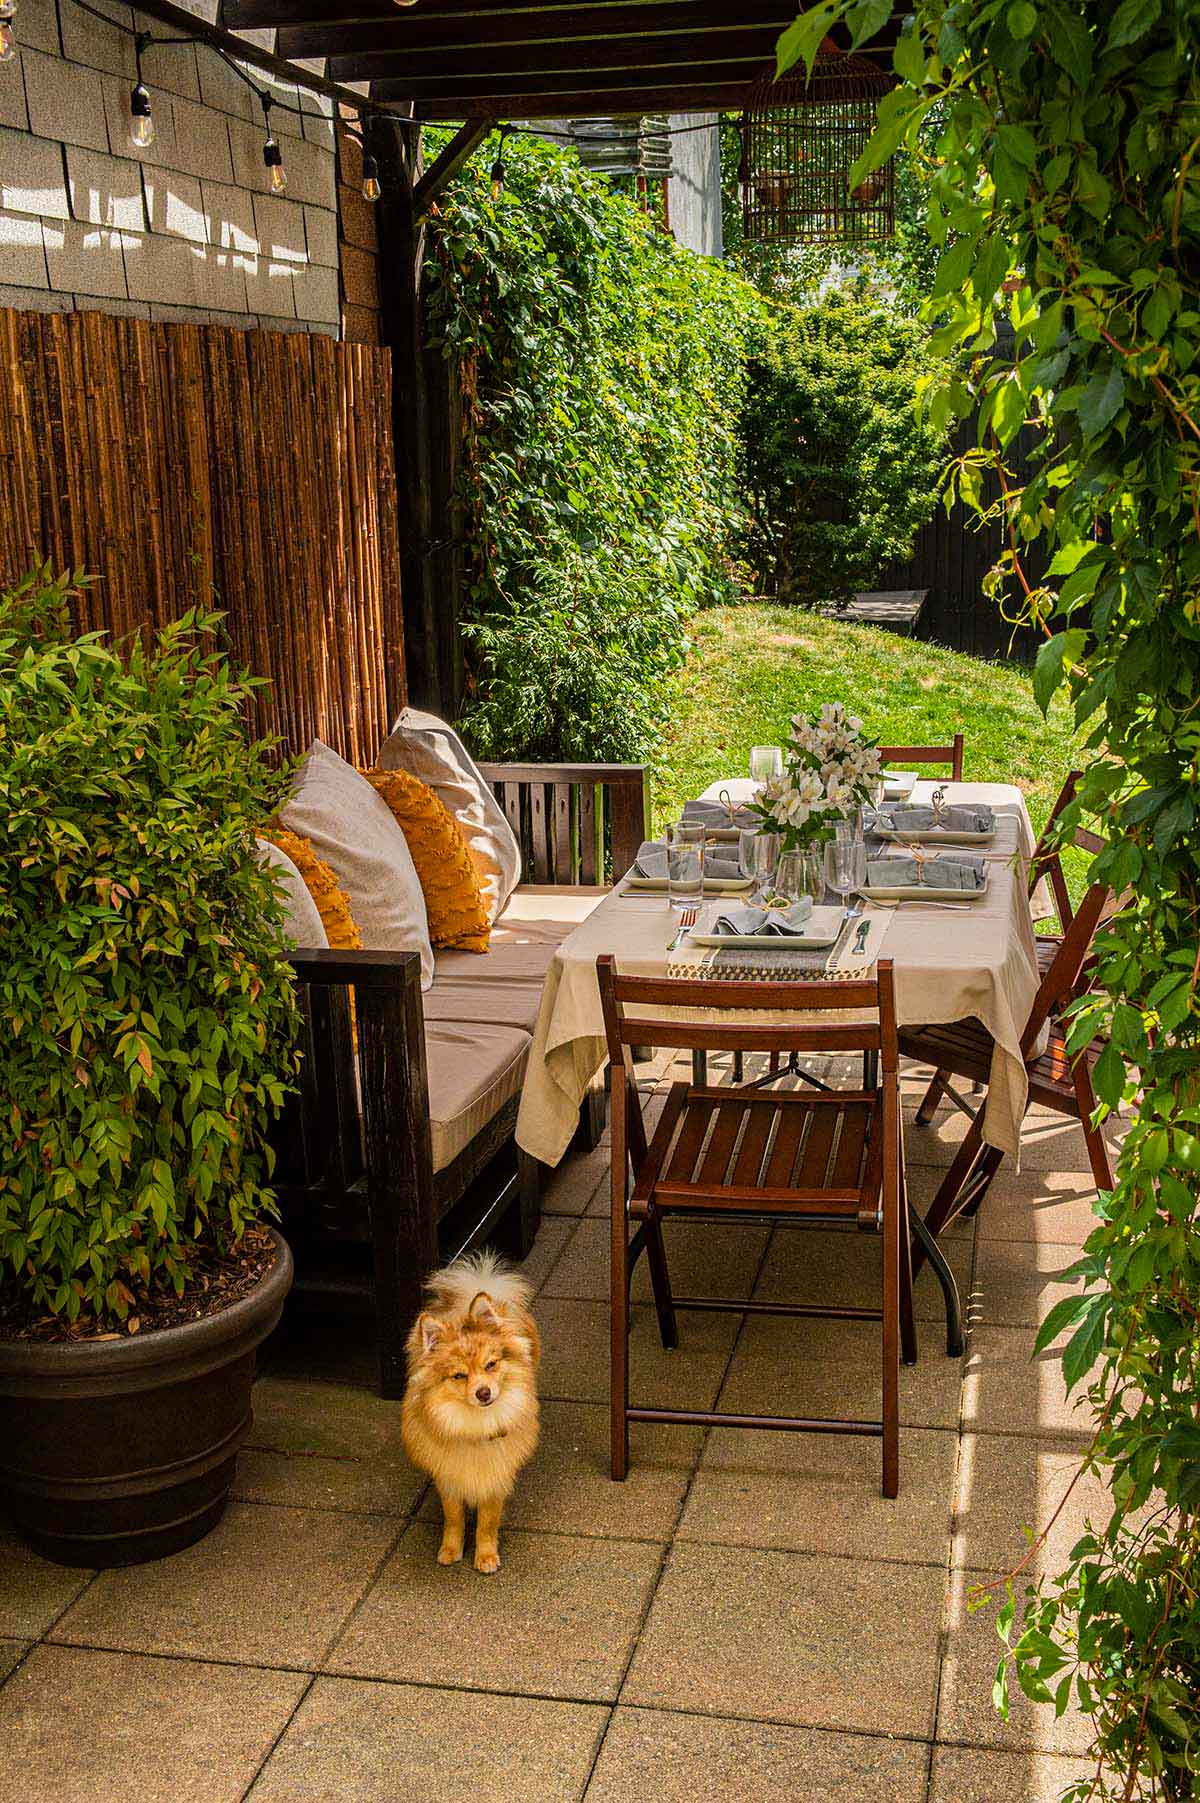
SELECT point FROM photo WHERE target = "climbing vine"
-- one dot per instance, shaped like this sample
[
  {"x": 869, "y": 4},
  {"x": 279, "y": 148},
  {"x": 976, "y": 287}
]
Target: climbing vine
[
  {"x": 1065, "y": 192},
  {"x": 602, "y": 369}
]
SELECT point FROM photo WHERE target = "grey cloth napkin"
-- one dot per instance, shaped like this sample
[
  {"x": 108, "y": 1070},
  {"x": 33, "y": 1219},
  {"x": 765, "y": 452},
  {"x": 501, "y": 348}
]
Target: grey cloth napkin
[
  {"x": 781, "y": 923},
  {"x": 651, "y": 861},
  {"x": 940, "y": 873},
  {"x": 716, "y": 814},
  {"x": 974, "y": 817}
]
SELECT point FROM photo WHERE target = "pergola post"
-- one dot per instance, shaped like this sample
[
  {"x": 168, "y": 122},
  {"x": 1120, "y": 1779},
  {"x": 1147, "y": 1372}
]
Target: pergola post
[{"x": 396, "y": 146}]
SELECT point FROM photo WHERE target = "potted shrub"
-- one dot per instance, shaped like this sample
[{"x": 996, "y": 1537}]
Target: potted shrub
[{"x": 147, "y": 1027}]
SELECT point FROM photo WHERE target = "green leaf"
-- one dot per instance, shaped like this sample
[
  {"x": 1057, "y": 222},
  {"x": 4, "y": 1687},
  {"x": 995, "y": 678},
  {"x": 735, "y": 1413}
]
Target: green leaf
[
  {"x": 1131, "y": 21},
  {"x": 1101, "y": 400},
  {"x": 908, "y": 58},
  {"x": 1070, "y": 44},
  {"x": 865, "y": 18},
  {"x": 1063, "y": 1314},
  {"x": 1086, "y": 1343},
  {"x": 1021, "y": 19},
  {"x": 1108, "y": 1076},
  {"x": 802, "y": 39},
  {"x": 1062, "y": 648}
]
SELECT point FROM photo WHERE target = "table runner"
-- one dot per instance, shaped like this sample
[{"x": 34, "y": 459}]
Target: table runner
[{"x": 978, "y": 962}]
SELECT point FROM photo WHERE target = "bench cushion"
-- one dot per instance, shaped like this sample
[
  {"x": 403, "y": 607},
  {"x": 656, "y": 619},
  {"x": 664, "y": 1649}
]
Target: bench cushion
[
  {"x": 474, "y": 1069},
  {"x": 504, "y": 986}
]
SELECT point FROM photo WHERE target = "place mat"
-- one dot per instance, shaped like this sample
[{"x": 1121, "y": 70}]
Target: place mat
[{"x": 738, "y": 964}]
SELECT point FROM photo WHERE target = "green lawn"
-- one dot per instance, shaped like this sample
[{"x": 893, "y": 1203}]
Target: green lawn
[{"x": 753, "y": 667}]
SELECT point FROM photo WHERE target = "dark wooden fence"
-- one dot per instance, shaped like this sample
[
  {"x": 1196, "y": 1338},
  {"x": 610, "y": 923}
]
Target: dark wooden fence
[
  {"x": 202, "y": 465},
  {"x": 952, "y": 556}
]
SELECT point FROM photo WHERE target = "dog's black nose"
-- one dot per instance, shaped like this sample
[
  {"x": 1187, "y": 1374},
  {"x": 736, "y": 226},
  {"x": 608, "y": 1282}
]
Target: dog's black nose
[{"x": 483, "y": 1394}]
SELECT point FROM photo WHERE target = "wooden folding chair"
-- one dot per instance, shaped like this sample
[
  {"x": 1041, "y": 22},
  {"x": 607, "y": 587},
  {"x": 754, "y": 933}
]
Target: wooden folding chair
[
  {"x": 824, "y": 1158},
  {"x": 1046, "y": 864},
  {"x": 928, "y": 754},
  {"x": 964, "y": 1049}
]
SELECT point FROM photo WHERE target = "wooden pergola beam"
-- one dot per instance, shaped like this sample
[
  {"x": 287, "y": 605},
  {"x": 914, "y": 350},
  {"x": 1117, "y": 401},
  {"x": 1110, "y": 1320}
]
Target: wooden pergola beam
[
  {"x": 588, "y": 28},
  {"x": 753, "y": 48},
  {"x": 448, "y": 164}
]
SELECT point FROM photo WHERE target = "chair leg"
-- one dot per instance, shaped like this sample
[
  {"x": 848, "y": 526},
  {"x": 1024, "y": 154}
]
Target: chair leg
[
  {"x": 1085, "y": 1096},
  {"x": 660, "y": 1283},
  {"x": 908, "y": 1319},
  {"x": 981, "y": 1181},
  {"x": 870, "y": 1070},
  {"x": 931, "y": 1098},
  {"x": 699, "y": 1069},
  {"x": 942, "y": 1208},
  {"x": 619, "y": 1356},
  {"x": 891, "y": 1353},
  {"x": 618, "y": 1305},
  {"x": 739, "y": 1068}
]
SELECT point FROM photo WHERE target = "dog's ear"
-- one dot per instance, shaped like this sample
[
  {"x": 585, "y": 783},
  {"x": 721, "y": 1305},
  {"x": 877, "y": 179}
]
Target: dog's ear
[
  {"x": 483, "y": 1309},
  {"x": 431, "y": 1330}
]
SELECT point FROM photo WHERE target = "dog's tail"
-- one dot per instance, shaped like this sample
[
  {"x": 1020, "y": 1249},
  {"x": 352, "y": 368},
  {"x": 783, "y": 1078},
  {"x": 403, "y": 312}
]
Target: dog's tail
[{"x": 456, "y": 1285}]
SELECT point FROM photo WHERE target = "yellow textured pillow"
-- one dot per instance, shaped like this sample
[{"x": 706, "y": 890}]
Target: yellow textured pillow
[
  {"x": 454, "y": 901},
  {"x": 331, "y": 903}
]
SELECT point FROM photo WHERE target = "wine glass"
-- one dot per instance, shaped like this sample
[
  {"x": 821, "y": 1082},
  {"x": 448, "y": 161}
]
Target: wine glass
[
  {"x": 766, "y": 763},
  {"x": 845, "y": 862}
]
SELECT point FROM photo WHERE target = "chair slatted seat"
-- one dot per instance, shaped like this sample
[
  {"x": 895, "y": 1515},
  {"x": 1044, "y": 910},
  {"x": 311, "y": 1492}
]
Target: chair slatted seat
[{"x": 833, "y": 1158}]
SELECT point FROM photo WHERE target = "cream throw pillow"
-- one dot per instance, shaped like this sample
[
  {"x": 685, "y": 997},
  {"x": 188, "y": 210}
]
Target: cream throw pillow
[
  {"x": 433, "y": 752},
  {"x": 355, "y": 832},
  {"x": 302, "y": 919}
]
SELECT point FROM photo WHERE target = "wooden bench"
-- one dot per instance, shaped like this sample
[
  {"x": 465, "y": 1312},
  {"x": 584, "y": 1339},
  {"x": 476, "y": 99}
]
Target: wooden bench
[
  {"x": 898, "y": 610},
  {"x": 365, "y": 1212}
]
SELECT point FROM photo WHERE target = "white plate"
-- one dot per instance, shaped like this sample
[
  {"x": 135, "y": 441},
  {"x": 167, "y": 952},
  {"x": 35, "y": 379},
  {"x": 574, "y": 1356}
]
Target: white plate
[
  {"x": 898, "y": 785},
  {"x": 713, "y": 885},
  {"x": 934, "y": 836},
  {"x": 824, "y": 925},
  {"x": 926, "y": 892}
]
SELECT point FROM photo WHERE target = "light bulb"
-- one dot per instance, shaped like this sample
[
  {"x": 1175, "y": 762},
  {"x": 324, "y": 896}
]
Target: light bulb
[
  {"x": 497, "y": 179},
  {"x": 141, "y": 130},
  {"x": 370, "y": 183},
  {"x": 273, "y": 158},
  {"x": 8, "y": 42}
]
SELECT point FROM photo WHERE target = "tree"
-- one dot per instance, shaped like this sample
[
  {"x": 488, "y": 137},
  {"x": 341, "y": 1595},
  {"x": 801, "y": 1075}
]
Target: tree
[{"x": 1069, "y": 184}]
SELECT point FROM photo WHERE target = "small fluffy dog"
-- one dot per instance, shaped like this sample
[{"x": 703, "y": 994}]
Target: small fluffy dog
[{"x": 470, "y": 1411}]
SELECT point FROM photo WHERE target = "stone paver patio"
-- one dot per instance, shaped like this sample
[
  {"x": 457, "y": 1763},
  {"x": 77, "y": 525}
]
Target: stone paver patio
[{"x": 744, "y": 1618}]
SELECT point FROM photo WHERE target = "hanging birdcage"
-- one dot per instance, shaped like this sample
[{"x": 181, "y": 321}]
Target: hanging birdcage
[{"x": 801, "y": 136}]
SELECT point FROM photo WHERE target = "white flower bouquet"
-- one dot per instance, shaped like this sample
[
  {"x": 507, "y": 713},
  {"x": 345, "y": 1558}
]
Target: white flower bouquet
[{"x": 831, "y": 769}]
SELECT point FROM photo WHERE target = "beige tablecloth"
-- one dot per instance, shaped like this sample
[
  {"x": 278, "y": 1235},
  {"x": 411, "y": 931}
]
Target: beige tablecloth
[{"x": 948, "y": 966}]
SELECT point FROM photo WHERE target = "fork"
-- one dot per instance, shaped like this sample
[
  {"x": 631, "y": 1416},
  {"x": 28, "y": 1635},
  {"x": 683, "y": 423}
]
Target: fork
[{"x": 687, "y": 920}]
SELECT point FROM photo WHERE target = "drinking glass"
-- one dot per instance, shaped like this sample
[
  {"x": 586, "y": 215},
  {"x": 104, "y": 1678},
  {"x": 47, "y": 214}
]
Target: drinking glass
[
  {"x": 748, "y": 839},
  {"x": 685, "y": 864},
  {"x": 766, "y": 763},
  {"x": 766, "y": 857},
  {"x": 801, "y": 873},
  {"x": 845, "y": 862}
]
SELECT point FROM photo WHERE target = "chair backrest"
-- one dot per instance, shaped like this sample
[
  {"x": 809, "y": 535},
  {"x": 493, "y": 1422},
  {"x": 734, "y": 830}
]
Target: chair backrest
[
  {"x": 1046, "y": 861},
  {"x": 715, "y": 996},
  {"x": 573, "y": 822},
  {"x": 928, "y": 754},
  {"x": 1067, "y": 973}
]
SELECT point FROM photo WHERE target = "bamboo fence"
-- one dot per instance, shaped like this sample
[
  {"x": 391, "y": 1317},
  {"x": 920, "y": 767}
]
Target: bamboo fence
[{"x": 202, "y": 465}]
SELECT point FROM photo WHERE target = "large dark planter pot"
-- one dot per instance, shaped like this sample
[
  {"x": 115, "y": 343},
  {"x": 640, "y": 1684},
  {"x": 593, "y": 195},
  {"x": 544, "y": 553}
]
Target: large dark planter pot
[{"x": 117, "y": 1451}]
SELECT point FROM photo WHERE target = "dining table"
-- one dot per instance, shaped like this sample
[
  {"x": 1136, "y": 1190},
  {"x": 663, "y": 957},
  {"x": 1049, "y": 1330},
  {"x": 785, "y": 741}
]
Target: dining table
[{"x": 975, "y": 960}]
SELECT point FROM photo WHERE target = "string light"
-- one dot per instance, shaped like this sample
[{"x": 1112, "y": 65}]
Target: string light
[
  {"x": 8, "y": 41},
  {"x": 272, "y": 155},
  {"x": 142, "y": 128},
  {"x": 370, "y": 182},
  {"x": 498, "y": 166}
]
